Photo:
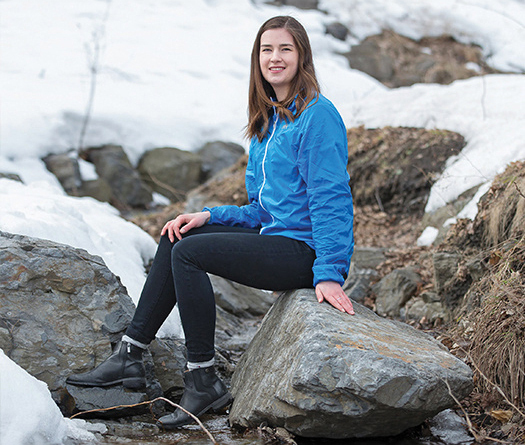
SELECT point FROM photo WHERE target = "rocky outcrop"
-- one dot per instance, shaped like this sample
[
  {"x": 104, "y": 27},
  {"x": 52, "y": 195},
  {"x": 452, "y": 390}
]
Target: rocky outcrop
[
  {"x": 394, "y": 290},
  {"x": 65, "y": 167},
  {"x": 225, "y": 188},
  {"x": 301, "y": 4},
  {"x": 398, "y": 61},
  {"x": 362, "y": 272},
  {"x": 394, "y": 167},
  {"x": 11, "y": 176},
  {"x": 321, "y": 373}
]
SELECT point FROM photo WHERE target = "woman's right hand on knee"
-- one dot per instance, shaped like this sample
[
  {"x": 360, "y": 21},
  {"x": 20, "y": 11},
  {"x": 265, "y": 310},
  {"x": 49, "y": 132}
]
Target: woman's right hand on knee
[{"x": 184, "y": 223}]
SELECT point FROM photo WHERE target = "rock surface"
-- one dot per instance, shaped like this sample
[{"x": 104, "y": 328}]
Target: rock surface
[
  {"x": 217, "y": 156},
  {"x": 60, "y": 307},
  {"x": 112, "y": 165},
  {"x": 170, "y": 171},
  {"x": 320, "y": 373},
  {"x": 397, "y": 61},
  {"x": 395, "y": 167},
  {"x": 394, "y": 290},
  {"x": 61, "y": 310}
]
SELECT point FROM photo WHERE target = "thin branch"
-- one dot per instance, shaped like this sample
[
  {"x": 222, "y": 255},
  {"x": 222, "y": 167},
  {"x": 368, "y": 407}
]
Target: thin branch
[
  {"x": 150, "y": 402},
  {"x": 479, "y": 437},
  {"x": 94, "y": 67},
  {"x": 518, "y": 190},
  {"x": 467, "y": 418},
  {"x": 494, "y": 385}
]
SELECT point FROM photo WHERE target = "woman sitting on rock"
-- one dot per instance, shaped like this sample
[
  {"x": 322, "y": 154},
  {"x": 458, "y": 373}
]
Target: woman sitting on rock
[{"x": 295, "y": 233}]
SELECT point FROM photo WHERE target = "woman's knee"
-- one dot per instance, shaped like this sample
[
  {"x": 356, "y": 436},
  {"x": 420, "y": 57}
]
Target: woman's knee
[{"x": 182, "y": 251}]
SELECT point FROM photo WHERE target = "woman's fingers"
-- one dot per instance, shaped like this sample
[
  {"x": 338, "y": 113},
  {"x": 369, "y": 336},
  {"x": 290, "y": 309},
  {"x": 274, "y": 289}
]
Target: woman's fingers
[
  {"x": 334, "y": 294},
  {"x": 183, "y": 223}
]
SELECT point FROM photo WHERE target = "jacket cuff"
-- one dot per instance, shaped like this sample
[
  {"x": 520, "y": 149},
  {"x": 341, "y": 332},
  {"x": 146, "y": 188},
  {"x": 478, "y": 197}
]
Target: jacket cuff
[
  {"x": 212, "y": 216},
  {"x": 328, "y": 273}
]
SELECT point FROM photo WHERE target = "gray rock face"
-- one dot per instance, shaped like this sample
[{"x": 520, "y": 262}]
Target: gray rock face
[
  {"x": 321, "y": 373},
  {"x": 394, "y": 290},
  {"x": 67, "y": 171},
  {"x": 60, "y": 307},
  {"x": 337, "y": 30},
  {"x": 217, "y": 156},
  {"x": 170, "y": 171},
  {"x": 112, "y": 164},
  {"x": 396, "y": 60}
]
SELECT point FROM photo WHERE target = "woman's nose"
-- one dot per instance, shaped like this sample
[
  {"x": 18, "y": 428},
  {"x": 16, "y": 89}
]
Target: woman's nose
[{"x": 276, "y": 56}]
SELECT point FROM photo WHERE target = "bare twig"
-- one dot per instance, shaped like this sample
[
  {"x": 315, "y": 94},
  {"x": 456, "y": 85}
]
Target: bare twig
[
  {"x": 490, "y": 382},
  {"x": 378, "y": 199},
  {"x": 94, "y": 67},
  {"x": 496, "y": 387},
  {"x": 471, "y": 428},
  {"x": 519, "y": 190},
  {"x": 150, "y": 402},
  {"x": 479, "y": 437}
]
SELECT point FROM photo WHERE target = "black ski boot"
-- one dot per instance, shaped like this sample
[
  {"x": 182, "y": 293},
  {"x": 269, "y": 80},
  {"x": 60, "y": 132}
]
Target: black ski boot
[
  {"x": 124, "y": 366},
  {"x": 203, "y": 391}
]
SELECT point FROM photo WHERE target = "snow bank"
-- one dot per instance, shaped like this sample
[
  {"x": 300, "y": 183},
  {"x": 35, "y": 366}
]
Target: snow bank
[{"x": 28, "y": 414}]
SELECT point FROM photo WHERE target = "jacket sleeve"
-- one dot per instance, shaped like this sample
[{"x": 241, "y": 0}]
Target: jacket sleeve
[
  {"x": 240, "y": 216},
  {"x": 322, "y": 162}
]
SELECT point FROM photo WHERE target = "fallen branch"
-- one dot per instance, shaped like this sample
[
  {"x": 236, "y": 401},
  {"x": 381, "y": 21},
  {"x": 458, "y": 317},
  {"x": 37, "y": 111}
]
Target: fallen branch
[{"x": 150, "y": 402}]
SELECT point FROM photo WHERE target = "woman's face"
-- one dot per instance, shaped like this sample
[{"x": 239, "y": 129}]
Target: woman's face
[{"x": 279, "y": 60}]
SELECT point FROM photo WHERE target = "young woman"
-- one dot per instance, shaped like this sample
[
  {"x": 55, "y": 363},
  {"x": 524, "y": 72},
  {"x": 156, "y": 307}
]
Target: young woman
[{"x": 295, "y": 233}]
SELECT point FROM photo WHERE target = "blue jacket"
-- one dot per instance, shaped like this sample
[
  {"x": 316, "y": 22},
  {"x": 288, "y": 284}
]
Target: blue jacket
[{"x": 297, "y": 185}]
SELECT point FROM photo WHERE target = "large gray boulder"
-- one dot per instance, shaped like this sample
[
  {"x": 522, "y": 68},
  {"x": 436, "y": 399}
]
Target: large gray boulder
[
  {"x": 170, "y": 171},
  {"x": 113, "y": 165},
  {"x": 66, "y": 169},
  {"x": 217, "y": 156},
  {"x": 60, "y": 307},
  {"x": 60, "y": 310},
  {"x": 321, "y": 373},
  {"x": 394, "y": 290}
]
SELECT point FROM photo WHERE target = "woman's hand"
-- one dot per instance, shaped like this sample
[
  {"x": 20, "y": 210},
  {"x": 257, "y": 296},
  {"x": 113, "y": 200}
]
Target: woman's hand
[
  {"x": 334, "y": 294},
  {"x": 183, "y": 223}
]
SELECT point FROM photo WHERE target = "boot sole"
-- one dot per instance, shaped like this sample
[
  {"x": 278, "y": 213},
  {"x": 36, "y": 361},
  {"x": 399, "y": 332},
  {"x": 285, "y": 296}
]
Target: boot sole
[
  {"x": 130, "y": 383},
  {"x": 219, "y": 404}
]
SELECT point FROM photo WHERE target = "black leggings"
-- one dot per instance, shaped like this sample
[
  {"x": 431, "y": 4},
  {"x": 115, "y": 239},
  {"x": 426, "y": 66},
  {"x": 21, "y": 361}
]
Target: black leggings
[{"x": 179, "y": 274}]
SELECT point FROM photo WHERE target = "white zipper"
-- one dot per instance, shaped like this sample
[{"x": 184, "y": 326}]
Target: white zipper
[{"x": 264, "y": 170}]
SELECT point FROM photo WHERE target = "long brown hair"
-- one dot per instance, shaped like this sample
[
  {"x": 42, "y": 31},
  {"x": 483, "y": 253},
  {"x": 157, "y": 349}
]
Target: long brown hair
[{"x": 305, "y": 85}]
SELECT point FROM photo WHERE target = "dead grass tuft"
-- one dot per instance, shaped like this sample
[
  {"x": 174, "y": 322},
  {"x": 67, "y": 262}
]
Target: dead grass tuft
[
  {"x": 505, "y": 214},
  {"x": 498, "y": 338}
]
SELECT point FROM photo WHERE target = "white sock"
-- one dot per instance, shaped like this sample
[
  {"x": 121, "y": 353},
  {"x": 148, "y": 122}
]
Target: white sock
[
  {"x": 197, "y": 365},
  {"x": 134, "y": 342}
]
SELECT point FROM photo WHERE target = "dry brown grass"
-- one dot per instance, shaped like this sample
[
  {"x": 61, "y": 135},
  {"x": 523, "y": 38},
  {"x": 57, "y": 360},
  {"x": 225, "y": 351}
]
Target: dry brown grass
[
  {"x": 498, "y": 340},
  {"x": 505, "y": 216}
]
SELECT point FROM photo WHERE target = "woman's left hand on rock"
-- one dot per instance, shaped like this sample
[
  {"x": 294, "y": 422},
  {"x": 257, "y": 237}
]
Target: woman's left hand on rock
[{"x": 334, "y": 294}]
